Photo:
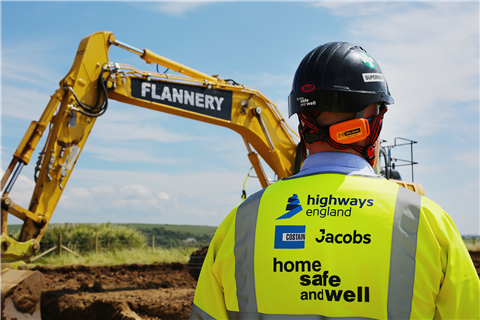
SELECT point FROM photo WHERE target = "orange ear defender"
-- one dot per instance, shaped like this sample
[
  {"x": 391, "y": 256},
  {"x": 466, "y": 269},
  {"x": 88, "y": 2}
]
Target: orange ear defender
[{"x": 350, "y": 131}]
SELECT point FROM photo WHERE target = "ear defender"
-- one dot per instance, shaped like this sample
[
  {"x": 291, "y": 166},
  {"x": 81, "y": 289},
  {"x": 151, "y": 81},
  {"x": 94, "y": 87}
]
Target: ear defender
[{"x": 350, "y": 131}]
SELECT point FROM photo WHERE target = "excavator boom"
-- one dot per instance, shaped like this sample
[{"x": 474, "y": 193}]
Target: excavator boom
[{"x": 83, "y": 96}]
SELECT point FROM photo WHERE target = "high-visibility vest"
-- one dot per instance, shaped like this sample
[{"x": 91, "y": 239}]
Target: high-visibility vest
[{"x": 332, "y": 245}]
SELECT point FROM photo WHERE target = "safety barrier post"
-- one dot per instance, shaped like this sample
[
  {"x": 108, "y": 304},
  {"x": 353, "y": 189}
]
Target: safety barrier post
[
  {"x": 96, "y": 243},
  {"x": 59, "y": 245}
]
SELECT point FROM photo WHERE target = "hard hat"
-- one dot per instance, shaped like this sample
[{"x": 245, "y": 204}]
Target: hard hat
[{"x": 337, "y": 77}]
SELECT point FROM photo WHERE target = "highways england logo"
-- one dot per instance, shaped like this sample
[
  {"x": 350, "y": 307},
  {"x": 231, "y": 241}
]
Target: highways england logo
[
  {"x": 293, "y": 207},
  {"x": 290, "y": 237}
]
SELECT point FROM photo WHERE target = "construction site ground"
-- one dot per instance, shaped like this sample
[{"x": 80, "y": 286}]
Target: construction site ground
[{"x": 123, "y": 292}]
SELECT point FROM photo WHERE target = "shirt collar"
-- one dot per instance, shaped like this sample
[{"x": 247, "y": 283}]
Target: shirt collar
[{"x": 343, "y": 162}]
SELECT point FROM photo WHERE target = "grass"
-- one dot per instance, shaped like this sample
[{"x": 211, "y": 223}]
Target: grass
[
  {"x": 118, "y": 244},
  {"x": 80, "y": 238},
  {"x": 143, "y": 255}
]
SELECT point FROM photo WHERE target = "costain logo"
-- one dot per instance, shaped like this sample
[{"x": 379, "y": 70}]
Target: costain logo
[
  {"x": 308, "y": 88},
  {"x": 289, "y": 237},
  {"x": 293, "y": 208}
]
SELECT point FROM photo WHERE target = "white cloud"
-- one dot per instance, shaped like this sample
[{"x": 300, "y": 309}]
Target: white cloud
[
  {"x": 199, "y": 198},
  {"x": 23, "y": 103},
  {"x": 266, "y": 79},
  {"x": 469, "y": 159},
  {"x": 133, "y": 129},
  {"x": 22, "y": 192},
  {"x": 354, "y": 8},
  {"x": 429, "y": 53},
  {"x": 163, "y": 196},
  {"x": 96, "y": 195},
  {"x": 135, "y": 196},
  {"x": 23, "y": 61},
  {"x": 80, "y": 192},
  {"x": 124, "y": 155},
  {"x": 176, "y": 9},
  {"x": 468, "y": 190},
  {"x": 103, "y": 189},
  {"x": 28, "y": 79}
]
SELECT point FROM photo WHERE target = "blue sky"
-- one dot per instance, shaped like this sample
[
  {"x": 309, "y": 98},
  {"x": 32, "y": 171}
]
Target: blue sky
[{"x": 148, "y": 167}]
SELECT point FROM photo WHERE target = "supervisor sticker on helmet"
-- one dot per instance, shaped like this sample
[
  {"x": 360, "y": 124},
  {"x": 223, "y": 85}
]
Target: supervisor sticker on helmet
[{"x": 373, "y": 77}]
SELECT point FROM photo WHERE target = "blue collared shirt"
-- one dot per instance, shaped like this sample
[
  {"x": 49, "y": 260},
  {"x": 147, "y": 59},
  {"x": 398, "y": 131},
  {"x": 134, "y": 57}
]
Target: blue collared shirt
[{"x": 343, "y": 162}]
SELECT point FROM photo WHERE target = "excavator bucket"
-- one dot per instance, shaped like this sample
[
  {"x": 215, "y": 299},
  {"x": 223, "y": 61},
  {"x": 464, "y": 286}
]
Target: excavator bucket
[{"x": 21, "y": 292}]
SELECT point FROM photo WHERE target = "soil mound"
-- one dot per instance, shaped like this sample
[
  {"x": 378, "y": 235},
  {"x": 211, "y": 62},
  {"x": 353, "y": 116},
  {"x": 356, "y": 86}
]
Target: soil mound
[
  {"x": 476, "y": 260},
  {"x": 123, "y": 292}
]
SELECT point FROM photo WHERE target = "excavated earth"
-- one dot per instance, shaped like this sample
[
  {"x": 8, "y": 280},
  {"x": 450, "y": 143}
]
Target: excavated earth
[
  {"x": 476, "y": 260},
  {"x": 124, "y": 292}
]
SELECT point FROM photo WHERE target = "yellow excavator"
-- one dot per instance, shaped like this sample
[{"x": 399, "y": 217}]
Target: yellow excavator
[{"x": 83, "y": 97}]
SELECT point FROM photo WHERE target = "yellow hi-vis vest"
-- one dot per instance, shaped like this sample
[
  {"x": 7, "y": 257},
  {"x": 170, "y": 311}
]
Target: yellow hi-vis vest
[{"x": 337, "y": 246}]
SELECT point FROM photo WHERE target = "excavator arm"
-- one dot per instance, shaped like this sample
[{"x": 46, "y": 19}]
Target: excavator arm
[{"x": 83, "y": 96}]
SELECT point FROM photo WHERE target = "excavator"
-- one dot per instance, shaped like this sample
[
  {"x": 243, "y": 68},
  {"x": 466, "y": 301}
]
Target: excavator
[{"x": 70, "y": 115}]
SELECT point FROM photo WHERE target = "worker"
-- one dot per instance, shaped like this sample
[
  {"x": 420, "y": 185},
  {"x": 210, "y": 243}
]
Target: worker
[{"x": 336, "y": 240}]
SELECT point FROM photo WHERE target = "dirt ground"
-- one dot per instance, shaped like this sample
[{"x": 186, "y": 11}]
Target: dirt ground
[
  {"x": 124, "y": 292},
  {"x": 476, "y": 260}
]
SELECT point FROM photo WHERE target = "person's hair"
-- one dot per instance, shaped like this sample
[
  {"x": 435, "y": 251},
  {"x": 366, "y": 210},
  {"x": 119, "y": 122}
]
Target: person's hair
[{"x": 330, "y": 118}]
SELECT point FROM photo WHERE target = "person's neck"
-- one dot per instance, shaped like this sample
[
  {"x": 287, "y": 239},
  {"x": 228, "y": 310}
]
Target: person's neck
[{"x": 325, "y": 147}]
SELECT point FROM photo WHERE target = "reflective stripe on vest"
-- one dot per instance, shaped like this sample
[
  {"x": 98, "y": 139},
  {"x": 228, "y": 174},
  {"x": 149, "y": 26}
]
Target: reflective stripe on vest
[
  {"x": 402, "y": 258},
  {"x": 232, "y": 315},
  {"x": 402, "y": 261},
  {"x": 245, "y": 226},
  {"x": 199, "y": 314}
]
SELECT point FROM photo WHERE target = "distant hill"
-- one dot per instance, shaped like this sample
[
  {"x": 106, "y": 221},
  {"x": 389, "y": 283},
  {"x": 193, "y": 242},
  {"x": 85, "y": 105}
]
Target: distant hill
[
  {"x": 167, "y": 235},
  {"x": 196, "y": 230},
  {"x": 199, "y": 230}
]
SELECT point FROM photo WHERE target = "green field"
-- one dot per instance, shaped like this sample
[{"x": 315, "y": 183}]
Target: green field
[
  {"x": 144, "y": 255},
  {"x": 85, "y": 237},
  {"x": 120, "y": 243},
  {"x": 14, "y": 228}
]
